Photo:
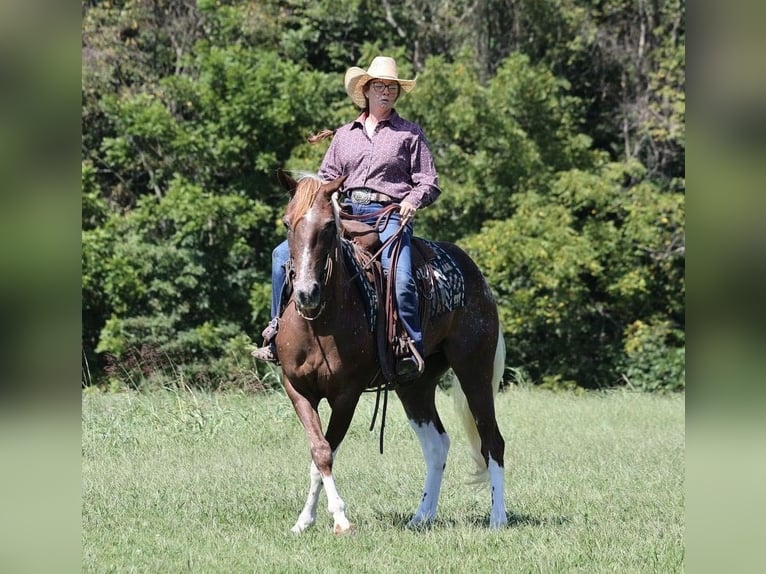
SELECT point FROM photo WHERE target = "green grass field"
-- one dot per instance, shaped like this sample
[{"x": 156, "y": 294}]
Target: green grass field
[{"x": 190, "y": 482}]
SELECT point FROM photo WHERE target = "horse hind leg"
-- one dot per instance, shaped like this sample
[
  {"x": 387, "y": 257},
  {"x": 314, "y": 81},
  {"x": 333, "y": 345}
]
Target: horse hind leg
[
  {"x": 435, "y": 445},
  {"x": 474, "y": 402},
  {"x": 419, "y": 405}
]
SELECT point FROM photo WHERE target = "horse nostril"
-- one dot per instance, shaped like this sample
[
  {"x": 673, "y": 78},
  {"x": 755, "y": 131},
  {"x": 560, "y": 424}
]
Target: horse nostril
[{"x": 308, "y": 295}]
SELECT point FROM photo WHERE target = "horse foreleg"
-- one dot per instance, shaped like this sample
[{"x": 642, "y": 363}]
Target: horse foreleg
[
  {"x": 335, "y": 504},
  {"x": 340, "y": 418},
  {"x": 321, "y": 469},
  {"x": 308, "y": 515}
]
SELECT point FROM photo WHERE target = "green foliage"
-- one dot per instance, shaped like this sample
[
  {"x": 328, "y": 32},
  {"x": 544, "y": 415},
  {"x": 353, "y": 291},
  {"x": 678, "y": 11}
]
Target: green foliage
[
  {"x": 329, "y": 34},
  {"x": 557, "y": 128},
  {"x": 492, "y": 142},
  {"x": 654, "y": 356},
  {"x": 227, "y": 127},
  {"x": 174, "y": 274},
  {"x": 574, "y": 268},
  {"x": 94, "y": 209}
]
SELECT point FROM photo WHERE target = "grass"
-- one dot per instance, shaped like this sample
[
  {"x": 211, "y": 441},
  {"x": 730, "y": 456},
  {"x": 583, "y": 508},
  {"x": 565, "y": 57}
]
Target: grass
[{"x": 190, "y": 482}]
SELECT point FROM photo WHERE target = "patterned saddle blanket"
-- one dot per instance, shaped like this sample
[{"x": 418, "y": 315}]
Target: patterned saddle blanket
[{"x": 439, "y": 280}]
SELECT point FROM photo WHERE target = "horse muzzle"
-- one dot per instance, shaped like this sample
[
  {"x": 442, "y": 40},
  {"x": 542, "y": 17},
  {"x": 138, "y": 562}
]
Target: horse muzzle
[
  {"x": 309, "y": 291},
  {"x": 308, "y": 298}
]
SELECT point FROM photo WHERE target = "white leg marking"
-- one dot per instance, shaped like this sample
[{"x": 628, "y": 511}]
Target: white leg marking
[
  {"x": 309, "y": 513},
  {"x": 336, "y": 506},
  {"x": 435, "y": 447},
  {"x": 497, "y": 517}
]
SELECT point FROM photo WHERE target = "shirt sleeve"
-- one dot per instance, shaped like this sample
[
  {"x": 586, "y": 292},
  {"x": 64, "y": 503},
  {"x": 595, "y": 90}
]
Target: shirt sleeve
[
  {"x": 330, "y": 167},
  {"x": 425, "y": 180}
]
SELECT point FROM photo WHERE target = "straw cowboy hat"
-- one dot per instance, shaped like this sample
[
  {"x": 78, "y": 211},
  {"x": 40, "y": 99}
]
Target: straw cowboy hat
[{"x": 381, "y": 68}]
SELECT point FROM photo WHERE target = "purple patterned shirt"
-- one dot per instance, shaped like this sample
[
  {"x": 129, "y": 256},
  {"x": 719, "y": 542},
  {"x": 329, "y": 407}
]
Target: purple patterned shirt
[{"x": 395, "y": 161}]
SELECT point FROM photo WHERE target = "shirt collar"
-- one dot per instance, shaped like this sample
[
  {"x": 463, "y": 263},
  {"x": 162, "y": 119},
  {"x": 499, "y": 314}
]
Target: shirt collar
[{"x": 393, "y": 119}]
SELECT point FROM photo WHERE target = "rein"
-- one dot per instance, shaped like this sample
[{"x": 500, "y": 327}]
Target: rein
[{"x": 383, "y": 217}]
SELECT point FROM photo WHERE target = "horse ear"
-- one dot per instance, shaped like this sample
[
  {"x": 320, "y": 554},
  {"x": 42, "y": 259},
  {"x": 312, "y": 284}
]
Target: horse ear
[
  {"x": 287, "y": 181},
  {"x": 332, "y": 186}
]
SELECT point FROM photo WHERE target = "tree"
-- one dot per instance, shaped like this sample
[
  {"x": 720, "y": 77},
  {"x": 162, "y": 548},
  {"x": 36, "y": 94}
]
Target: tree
[
  {"x": 557, "y": 128},
  {"x": 491, "y": 142},
  {"x": 576, "y": 271}
]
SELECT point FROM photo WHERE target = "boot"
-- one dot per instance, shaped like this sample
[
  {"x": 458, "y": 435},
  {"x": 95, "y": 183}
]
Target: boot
[
  {"x": 407, "y": 369},
  {"x": 410, "y": 366},
  {"x": 268, "y": 352}
]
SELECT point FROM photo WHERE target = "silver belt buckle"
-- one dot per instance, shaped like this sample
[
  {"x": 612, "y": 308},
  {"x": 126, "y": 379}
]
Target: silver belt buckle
[{"x": 360, "y": 196}]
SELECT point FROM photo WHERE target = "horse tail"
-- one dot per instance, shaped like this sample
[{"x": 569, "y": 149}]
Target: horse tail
[
  {"x": 480, "y": 473},
  {"x": 320, "y": 135}
]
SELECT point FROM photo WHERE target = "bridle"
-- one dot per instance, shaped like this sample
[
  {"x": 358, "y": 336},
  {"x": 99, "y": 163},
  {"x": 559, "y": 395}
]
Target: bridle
[
  {"x": 332, "y": 254},
  {"x": 327, "y": 273}
]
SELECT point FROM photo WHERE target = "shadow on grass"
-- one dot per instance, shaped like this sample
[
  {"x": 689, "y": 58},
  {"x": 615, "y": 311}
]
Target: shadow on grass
[{"x": 400, "y": 520}]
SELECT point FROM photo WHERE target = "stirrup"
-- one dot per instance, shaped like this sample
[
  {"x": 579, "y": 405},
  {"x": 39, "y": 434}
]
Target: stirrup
[
  {"x": 410, "y": 367},
  {"x": 407, "y": 369},
  {"x": 270, "y": 331}
]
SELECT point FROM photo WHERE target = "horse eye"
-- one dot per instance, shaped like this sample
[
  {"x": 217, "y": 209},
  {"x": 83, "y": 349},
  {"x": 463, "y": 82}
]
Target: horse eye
[{"x": 286, "y": 223}]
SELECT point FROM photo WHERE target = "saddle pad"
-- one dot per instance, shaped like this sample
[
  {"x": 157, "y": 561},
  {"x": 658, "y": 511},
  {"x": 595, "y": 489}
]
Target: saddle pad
[
  {"x": 440, "y": 282},
  {"x": 366, "y": 288}
]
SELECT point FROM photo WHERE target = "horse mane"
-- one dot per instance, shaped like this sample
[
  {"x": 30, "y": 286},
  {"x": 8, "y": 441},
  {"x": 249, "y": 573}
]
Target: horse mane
[{"x": 305, "y": 193}]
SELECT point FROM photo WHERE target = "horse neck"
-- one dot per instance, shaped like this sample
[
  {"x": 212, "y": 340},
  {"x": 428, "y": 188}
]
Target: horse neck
[
  {"x": 340, "y": 288},
  {"x": 343, "y": 304}
]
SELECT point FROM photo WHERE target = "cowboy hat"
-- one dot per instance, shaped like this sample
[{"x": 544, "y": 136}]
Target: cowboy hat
[{"x": 381, "y": 68}]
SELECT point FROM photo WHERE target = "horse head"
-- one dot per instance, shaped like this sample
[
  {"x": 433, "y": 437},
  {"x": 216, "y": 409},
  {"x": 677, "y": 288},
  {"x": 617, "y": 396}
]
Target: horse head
[{"x": 312, "y": 235}]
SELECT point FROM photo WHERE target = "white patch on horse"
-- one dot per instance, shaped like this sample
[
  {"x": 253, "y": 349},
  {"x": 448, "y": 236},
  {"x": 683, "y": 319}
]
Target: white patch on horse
[
  {"x": 305, "y": 256},
  {"x": 336, "y": 506},
  {"x": 435, "y": 446},
  {"x": 308, "y": 515},
  {"x": 498, "y": 516}
]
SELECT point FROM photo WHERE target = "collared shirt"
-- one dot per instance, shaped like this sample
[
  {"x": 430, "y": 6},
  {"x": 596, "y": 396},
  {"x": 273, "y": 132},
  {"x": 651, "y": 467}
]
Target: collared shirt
[{"x": 396, "y": 160}]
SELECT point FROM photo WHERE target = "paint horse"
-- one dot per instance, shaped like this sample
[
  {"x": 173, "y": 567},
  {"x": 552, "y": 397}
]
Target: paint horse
[{"x": 328, "y": 352}]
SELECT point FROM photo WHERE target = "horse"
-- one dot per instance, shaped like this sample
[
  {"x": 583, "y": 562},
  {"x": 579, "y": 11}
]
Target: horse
[{"x": 327, "y": 351}]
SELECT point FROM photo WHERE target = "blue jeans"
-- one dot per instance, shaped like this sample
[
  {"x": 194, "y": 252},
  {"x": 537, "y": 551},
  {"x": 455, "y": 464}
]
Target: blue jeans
[
  {"x": 279, "y": 258},
  {"x": 406, "y": 291}
]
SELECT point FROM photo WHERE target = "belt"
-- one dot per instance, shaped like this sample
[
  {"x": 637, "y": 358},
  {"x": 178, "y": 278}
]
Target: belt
[{"x": 364, "y": 196}]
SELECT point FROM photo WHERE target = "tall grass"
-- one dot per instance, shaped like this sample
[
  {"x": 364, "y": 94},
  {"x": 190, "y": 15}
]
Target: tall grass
[{"x": 189, "y": 482}]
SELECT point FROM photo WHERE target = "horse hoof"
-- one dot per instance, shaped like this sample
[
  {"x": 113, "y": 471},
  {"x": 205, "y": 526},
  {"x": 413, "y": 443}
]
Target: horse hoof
[
  {"x": 339, "y": 530},
  {"x": 300, "y": 527},
  {"x": 496, "y": 523},
  {"x": 420, "y": 524}
]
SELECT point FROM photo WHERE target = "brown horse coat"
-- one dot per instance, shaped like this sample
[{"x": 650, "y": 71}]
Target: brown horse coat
[{"x": 327, "y": 352}]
